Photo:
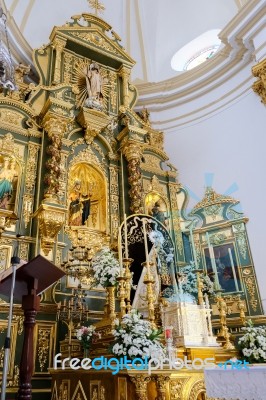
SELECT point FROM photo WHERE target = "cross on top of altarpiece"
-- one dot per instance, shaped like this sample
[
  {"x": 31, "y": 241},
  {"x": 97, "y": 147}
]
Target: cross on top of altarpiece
[{"x": 96, "y": 6}]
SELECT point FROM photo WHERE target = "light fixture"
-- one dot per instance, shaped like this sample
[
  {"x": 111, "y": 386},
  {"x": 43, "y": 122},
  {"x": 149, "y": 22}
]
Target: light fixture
[{"x": 7, "y": 79}]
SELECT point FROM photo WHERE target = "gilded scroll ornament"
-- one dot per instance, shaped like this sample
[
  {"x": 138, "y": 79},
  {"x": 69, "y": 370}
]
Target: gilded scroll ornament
[
  {"x": 196, "y": 390},
  {"x": 212, "y": 198},
  {"x": 43, "y": 347},
  {"x": 259, "y": 87},
  {"x": 141, "y": 383},
  {"x": 176, "y": 387},
  {"x": 50, "y": 219},
  {"x": 161, "y": 382},
  {"x": 251, "y": 288},
  {"x": 213, "y": 211},
  {"x": 113, "y": 90},
  {"x": 114, "y": 198},
  {"x": 68, "y": 59},
  {"x": 242, "y": 244}
]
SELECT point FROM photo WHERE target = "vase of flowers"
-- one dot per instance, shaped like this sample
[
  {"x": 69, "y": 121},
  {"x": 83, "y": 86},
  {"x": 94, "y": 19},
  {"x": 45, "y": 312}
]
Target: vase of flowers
[
  {"x": 105, "y": 267},
  {"x": 253, "y": 343},
  {"x": 87, "y": 336},
  {"x": 135, "y": 338},
  {"x": 106, "y": 270},
  {"x": 189, "y": 284}
]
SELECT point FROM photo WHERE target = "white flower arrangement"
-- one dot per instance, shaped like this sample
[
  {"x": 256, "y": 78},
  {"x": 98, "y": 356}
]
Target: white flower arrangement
[
  {"x": 136, "y": 338},
  {"x": 87, "y": 335},
  {"x": 189, "y": 281},
  {"x": 253, "y": 343},
  {"x": 105, "y": 267}
]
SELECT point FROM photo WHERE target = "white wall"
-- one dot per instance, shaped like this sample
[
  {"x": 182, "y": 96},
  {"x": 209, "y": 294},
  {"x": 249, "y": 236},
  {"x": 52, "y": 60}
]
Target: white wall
[{"x": 232, "y": 146}]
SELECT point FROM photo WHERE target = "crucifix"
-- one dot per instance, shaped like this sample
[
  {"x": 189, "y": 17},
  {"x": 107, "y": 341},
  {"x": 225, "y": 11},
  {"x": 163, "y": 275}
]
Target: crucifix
[{"x": 97, "y": 6}]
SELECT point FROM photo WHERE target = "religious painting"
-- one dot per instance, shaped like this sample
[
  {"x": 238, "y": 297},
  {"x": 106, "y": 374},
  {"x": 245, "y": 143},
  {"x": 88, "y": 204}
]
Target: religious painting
[
  {"x": 95, "y": 390},
  {"x": 156, "y": 206},
  {"x": 86, "y": 197},
  {"x": 225, "y": 262},
  {"x": 9, "y": 172},
  {"x": 122, "y": 388}
]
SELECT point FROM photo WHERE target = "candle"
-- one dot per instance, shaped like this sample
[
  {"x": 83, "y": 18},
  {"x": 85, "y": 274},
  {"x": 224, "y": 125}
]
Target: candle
[
  {"x": 193, "y": 246},
  {"x": 145, "y": 241},
  {"x": 120, "y": 252},
  {"x": 125, "y": 230},
  {"x": 233, "y": 269},
  {"x": 168, "y": 333},
  {"x": 211, "y": 253}
]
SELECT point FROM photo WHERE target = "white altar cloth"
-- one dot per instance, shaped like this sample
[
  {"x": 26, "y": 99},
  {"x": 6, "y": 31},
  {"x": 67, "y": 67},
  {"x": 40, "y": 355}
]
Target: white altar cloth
[{"x": 243, "y": 384}]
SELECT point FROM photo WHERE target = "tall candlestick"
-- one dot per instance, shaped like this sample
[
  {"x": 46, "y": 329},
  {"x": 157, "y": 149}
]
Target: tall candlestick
[
  {"x": 145, "y": 241},
  {"x": 123, "y": 183},
  {"x": 193, "y": 246},
  {"x": 233, "y": 269},
  {"x": 120, "y": 251},
  {"x": 125, "y": 230},
  {"x": 213, "y": 261}
]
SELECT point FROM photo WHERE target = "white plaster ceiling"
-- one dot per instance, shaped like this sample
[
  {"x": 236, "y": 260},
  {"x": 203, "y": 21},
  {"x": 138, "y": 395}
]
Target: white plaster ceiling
[{"x": 151, "y": 30}]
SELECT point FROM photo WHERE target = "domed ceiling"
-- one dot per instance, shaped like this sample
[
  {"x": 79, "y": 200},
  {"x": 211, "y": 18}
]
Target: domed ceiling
[{"x": 152, "y": 31}]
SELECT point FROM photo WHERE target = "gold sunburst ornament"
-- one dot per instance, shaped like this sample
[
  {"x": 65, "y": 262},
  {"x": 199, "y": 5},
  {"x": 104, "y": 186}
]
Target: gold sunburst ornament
[
  {"x": 96, "y": 6},
  {"x": 92, "y": 85}
]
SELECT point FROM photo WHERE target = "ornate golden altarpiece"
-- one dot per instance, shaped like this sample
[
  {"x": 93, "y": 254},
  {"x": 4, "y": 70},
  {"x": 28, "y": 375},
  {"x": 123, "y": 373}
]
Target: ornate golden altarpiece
[{"x": 74, "y": 138}]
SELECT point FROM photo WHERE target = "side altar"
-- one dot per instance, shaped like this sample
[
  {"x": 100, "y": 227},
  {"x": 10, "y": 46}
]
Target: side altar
[{"x": 82, "y": 172}]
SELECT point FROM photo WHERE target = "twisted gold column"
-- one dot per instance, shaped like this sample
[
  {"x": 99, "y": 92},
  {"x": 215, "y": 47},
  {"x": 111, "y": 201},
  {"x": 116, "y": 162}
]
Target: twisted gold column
[{"x": 133, "y": 152}]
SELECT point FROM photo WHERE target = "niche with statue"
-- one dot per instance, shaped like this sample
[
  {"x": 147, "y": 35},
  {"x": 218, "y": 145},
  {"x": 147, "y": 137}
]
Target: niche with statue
[{"x": 86, "y": 197}]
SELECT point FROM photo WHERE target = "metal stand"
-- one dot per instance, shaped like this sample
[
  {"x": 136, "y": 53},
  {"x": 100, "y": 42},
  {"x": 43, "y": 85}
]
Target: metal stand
[{"x": 15, "y": 262}]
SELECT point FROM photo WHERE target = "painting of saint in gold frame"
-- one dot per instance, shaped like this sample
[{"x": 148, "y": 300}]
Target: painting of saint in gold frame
[
  {"x": 9, "y": 172},
  {"x": 122, "y": 388}
]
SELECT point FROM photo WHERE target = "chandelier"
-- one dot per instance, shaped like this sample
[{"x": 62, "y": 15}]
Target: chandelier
[{"x": 7, "y": 80}]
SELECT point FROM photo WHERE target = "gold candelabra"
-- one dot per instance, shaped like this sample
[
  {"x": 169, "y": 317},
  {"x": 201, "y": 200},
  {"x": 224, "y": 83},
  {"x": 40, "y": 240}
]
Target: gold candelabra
[
  {"x": 200, "y": 287},
  {"x": 73, "y": 312},
  {"x": 241, "y": 307},
  {"x": 224, "y": 331}
]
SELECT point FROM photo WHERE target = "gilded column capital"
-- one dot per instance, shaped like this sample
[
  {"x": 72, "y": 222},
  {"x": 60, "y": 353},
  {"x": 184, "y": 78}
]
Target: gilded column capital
[
  {"x": 132, "y": 150},
  {"x": 55, "y": 125},
  {"x": 59, "y": 43},
  {"x": 259, "y": 87},
  {"x": 141, "y": 382}
]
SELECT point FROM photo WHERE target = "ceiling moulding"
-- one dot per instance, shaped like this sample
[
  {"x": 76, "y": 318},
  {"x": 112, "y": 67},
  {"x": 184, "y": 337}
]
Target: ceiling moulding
[
  {"x": 208, "y": 88},
  {"x": 238, "y": 38}
]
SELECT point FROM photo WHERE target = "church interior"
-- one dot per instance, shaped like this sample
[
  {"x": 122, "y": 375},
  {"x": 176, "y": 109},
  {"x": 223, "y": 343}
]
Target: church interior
[{"x": 131, "y": 233}]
